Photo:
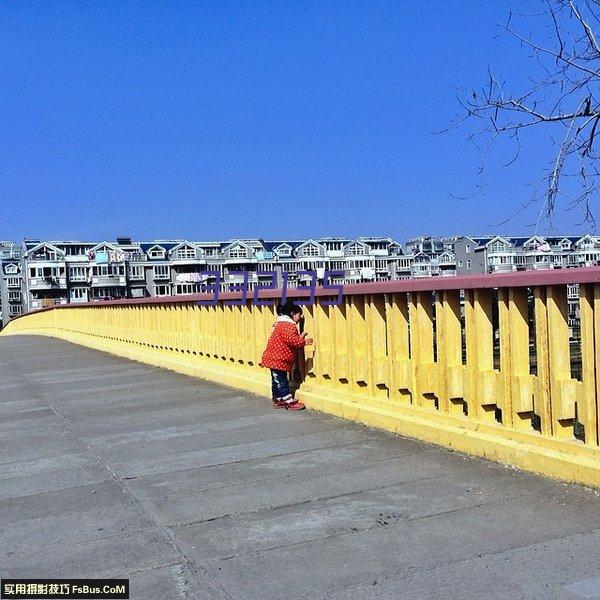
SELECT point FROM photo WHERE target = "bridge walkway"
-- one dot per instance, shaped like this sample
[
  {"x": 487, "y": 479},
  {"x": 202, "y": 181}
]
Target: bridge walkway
[{"x": 111, "y": 468}]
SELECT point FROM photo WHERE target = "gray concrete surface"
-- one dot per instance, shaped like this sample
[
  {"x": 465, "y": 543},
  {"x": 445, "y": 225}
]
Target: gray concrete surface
[{"x": 110, "y": 468}]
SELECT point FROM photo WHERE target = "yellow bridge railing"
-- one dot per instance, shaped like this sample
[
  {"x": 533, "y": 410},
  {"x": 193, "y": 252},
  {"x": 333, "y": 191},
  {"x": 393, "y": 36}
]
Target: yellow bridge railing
[{"x": 500, "y": 366}]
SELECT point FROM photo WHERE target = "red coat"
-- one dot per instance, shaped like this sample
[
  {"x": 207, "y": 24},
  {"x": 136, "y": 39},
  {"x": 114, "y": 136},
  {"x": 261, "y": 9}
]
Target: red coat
[{"x": 283, "y": 346}]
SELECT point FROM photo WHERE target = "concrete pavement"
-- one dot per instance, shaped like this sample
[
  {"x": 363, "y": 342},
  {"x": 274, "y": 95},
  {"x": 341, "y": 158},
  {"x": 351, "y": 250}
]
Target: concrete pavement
[{"x": 110, "y": 468}]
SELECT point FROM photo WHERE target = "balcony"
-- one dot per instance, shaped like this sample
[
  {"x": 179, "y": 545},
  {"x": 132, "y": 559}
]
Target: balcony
[
  {"x": 46, "y": 302},
  {"x": 47, "y": 283},
  {"x": 502, "y": 268},
  {"x": 136, "y": 257},
  {"x": 109, "y": 281},
  {"x": 138, "y": 275},
  {"x": 78, "y": 278},
  {"x": 161, "y": 275}
]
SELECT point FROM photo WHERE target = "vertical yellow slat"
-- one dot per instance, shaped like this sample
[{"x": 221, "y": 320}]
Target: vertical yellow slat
[
  {"x": 357, "y": 343},
  {"x": 562, "y": 389},
  {"x": 481, "y": 392},
  {"x": 340, "y": 333},
  {"x": 588, "y": 406},
  {"x": 517, "y": 397},
  {"x": 398, "y": 347},
  {"x": 597, "y": 356},
  {"x": 449, "y": 351},
  {"x": 421, "y": 345},
  {"x": 377, "y": 354}
]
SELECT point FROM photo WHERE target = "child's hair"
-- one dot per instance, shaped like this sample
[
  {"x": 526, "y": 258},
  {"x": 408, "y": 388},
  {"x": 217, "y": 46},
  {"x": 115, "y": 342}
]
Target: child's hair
[{"x": 288, "y": 309}]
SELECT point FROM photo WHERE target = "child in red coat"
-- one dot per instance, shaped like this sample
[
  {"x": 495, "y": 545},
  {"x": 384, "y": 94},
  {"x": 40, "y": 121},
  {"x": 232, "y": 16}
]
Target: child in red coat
[{"x": 280, "y": 354}]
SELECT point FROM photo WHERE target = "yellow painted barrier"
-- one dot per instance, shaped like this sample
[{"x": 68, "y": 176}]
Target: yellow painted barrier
[{"x": 484, "y": 365}]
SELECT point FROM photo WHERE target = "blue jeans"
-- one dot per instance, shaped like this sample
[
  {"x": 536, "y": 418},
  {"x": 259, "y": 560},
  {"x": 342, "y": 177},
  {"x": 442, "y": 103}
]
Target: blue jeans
[{"x": 280, "y": 385}]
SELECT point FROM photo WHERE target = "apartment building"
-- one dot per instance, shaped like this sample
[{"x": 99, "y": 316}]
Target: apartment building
[
  {"x": 11, "y": 282},
  {"x": 61, "y": 272},
  {"x": 500, "y": 254},
  {"x": 45, "y": 273}
]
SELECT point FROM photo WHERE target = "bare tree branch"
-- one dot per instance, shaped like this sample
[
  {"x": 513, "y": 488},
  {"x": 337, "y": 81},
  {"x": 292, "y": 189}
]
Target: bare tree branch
[{"x": 566, "y": 96}]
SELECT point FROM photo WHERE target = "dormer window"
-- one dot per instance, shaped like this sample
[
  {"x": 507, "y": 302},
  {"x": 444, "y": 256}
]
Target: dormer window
[
  {"x": 238, "y": 252},
  {"x": 185, "y": 252},
  {"x": 355, "y": 249},
  {"x": 310, "y": 250},
  {"x": 498, "y": 246},
  {"x": 156, "y": 253}
]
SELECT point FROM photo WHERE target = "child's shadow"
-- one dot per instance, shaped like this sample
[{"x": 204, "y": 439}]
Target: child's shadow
[{"x": 302, "y": 367}]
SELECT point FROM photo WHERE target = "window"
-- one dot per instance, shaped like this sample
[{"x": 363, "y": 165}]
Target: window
[
  {"x": 162, "y": 290},
  {"x": 14, "y": 309},
  {"x": 13, "y": 282},
  {"x": 14, "y": 296},
  {"x": 310, "y": 250},
  {"x": 468, "y": 264},
  {"x": 186, "y": 288},
  {"x": 77, "y": 273},
  {"x": 161, "y": 271},
  {"x": 136, "y": 272},
  {"x": 79, "y": 294},
  {"x": 108, "y": 270},
  {"x": 467, "y": 248},
  {"x": 238, "y": 252},
  {"x": 460, "y": 263},
  {"x": 185, "y": 252},
  {"x": 498, "y": 246},
  {"x": 284, "y": 250},
  {"x": 157, "y": 253},
  {"x": 290, "y": 267},
  {"x": 355, "y": 249}
]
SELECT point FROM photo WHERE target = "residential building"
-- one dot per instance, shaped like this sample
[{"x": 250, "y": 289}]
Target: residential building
[{"x": 45, "y": 273}]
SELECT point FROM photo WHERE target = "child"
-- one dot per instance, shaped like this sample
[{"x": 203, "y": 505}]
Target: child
[{"x": 280, "y": 354}]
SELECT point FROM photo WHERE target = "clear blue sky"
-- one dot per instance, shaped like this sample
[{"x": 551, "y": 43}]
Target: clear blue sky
[{"x": 209, "y": 120}]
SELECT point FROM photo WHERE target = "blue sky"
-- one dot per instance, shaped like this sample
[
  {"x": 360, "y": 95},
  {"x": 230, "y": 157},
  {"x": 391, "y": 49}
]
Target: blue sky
[{"x": 210, "y": 120}]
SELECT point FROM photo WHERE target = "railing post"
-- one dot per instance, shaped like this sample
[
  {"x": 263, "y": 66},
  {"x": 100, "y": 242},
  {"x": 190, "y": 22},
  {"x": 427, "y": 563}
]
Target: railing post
[
  {"x": 359, "y": 367},
  {"x": 517, "y": 397},
  {"x": 398, "y": 347},
  {"x": 341, "y": 344},
  {"x": 421, "y": 344},
  {"x": 377, "y": 346},
  {"x": 449, "y": 344},
  {"x": 589, "y": 302},
  {"x": 482, "y": 388},
  {"x": 563, "y": 392}
]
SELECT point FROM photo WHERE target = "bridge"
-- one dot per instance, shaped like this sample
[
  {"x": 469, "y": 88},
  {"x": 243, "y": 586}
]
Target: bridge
[{"x": 186, "y": 481}]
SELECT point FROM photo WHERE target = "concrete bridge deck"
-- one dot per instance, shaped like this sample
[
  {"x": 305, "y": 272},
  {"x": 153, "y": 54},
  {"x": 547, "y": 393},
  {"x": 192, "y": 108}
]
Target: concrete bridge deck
[{"x": 112, "y": 468}]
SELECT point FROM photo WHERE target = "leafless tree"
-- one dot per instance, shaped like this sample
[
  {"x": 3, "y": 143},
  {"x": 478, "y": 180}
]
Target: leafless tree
[{"x": 564, "y": 98}]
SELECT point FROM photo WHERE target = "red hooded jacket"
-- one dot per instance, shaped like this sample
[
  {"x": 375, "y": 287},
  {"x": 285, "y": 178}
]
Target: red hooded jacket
[{"x": 283, "y": 345}]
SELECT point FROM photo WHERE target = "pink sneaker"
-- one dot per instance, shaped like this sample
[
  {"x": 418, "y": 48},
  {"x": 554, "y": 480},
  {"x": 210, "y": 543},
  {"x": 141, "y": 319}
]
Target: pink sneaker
[
  {"x": 277, "y": 403},
  {"x": 293, "y": 404}
]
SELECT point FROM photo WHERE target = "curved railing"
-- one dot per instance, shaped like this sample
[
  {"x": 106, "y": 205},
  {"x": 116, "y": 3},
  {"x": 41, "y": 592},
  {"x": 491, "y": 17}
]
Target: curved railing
[{"x": 491, "y": 365}]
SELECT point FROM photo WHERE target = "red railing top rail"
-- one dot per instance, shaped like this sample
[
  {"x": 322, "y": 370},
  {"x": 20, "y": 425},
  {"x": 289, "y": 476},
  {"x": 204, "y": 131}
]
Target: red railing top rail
[{"x": 458, "y": 282}]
